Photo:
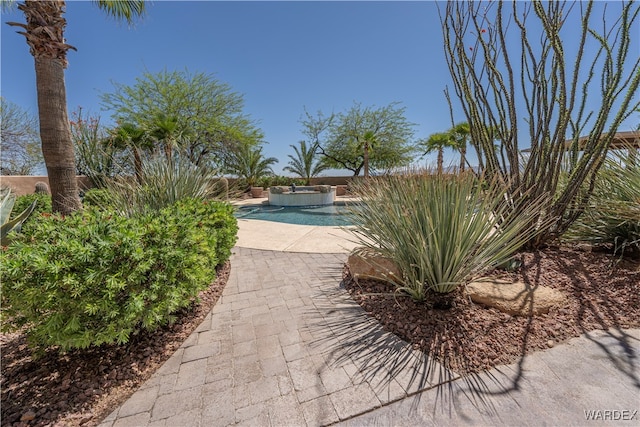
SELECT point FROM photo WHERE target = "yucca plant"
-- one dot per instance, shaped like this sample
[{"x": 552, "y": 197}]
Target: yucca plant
[
  {"x": 7, "y": 200},
  {"x": 441, "y": 231},
  {"x": 162, "y": 183},
  {"x": 613, "y": 215}
]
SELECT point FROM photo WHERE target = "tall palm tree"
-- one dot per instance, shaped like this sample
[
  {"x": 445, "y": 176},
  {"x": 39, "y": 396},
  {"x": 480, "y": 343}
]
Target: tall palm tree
[
  {"x": 44, "y": 32},
  {"x": 438, "y": 142},
  {"x": 304, "y": 163}
]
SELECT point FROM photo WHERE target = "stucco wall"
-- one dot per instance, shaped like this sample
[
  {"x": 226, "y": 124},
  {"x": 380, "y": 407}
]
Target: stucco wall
[{"x": 27, "y": 184}]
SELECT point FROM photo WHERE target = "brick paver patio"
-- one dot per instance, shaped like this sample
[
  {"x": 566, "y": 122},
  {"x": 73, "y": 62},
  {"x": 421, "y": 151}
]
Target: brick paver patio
[{"x": 286, "y": 346}]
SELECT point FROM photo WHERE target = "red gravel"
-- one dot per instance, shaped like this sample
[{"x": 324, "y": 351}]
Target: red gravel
[{"x": 471, "y": 338}]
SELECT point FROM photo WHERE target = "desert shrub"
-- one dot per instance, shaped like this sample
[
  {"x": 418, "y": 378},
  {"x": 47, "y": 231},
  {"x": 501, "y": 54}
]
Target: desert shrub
[
  {"x": 24, "y": 201},
  {"x": 162, "y": 183},
  {"x": 96, "y": 277},
  {"x": 612, "y": 217},
  {"x": 440, "y": 231},
  {"x": 278, "y": 180},
  {"x": 43, "y": 205}
]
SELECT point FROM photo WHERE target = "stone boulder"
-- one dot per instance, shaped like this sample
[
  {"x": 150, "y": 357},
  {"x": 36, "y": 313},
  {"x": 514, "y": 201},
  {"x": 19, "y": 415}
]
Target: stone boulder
[
  {"x": 367, "y": 265},
  {"x": 515, "y": 298}
]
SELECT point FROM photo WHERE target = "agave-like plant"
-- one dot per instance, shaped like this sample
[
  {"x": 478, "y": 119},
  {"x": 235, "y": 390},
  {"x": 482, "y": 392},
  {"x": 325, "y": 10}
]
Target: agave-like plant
[
  {"x": 7, "y": 200},
  {"x": 162, "y": 182},
  {"x": 613, "y": 215},
  {"x": 441, "y": 231}
]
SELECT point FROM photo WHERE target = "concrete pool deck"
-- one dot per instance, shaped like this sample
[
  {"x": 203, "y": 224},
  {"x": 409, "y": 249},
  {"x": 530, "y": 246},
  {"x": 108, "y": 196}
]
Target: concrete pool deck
[
  {"x": 269, "y": 235},
  {"x": 286, "y": 346}
]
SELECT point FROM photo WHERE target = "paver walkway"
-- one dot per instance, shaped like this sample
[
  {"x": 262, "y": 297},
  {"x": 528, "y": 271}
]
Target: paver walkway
[{"x": 286, "y": 346}]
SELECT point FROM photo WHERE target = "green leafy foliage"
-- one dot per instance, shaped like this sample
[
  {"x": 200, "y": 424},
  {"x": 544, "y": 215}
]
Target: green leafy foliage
[
  {"x": 362, "y": 138},
  {"x": 162, "y": 183},
  {"x": 271, "y": 181},
  {"x": 96, "y": 277},
  {"x": 613, "y": 215},
  {"x": 206, "y": 117},
  {"x": 249, "y": 163},
  {"x": 305, "y": 163},
  {"x": 8, "y": 224},
  {"x": 98, "y": 197},
  {"x": 24, "y": 201},
  {"x": 42, "y": 206},
  {"x": 439, "y": 230}
]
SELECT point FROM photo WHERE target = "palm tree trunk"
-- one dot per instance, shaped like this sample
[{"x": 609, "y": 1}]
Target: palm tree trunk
[
  {"x": 463, "y": 157},
  {"x": 137, "y": 164},
  {"x": 168, "y": 151},
  {"x": 57, "y": 146},
  {"x": 440, "y": 160},
  {"x": 366, "y": 160}
]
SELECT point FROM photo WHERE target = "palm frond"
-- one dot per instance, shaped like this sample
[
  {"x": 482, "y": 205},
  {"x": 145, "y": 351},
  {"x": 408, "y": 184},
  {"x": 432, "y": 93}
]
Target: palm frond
[{"x": 123, "y": 9}]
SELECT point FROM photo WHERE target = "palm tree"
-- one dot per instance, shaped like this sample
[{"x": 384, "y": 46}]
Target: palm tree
[
  {"x": 167, "y": 133},
  {"x": 437, "y": 142},
  {"x": 367, "y": 142},
  {"x": 130, "y": 136},
  {"x": 44, "y": 32},
  {"x": 461, "y": 133},
  {"x": 247, "y": 162},
  {"x": 304, "y": 163}
]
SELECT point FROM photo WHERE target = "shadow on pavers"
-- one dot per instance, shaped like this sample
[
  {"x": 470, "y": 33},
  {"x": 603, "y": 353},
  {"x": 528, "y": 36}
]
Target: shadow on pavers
[
  {"x": 392, "y": 368},
  {"x": 395, "y": 371}
]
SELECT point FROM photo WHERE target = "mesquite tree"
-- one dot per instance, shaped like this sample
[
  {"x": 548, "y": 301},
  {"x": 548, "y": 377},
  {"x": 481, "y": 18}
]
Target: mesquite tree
[{"x": 528, "y": 72}]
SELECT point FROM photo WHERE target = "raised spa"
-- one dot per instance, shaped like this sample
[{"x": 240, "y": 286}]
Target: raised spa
[{"x": 302, "y": 196}]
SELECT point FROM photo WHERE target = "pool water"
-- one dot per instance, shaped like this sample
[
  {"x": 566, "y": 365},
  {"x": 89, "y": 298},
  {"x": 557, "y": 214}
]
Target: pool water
[{"x": 328, "y": 215}]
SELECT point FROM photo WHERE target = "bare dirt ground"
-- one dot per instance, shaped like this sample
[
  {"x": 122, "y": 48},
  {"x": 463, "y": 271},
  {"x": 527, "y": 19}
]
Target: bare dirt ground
[{"x": 83, "y": 387}]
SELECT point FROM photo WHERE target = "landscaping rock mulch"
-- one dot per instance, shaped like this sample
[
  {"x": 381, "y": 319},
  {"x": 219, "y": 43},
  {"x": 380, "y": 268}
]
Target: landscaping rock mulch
[
  {"x": 601, "y": 293},
  {"x": 82, "y": 387}
]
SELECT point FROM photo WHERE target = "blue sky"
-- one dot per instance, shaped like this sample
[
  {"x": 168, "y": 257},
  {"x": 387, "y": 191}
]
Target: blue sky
[{"x": 282, "y": 56}]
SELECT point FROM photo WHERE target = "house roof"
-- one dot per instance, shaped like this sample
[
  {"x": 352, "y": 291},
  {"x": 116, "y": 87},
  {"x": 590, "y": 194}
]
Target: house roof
[{"x": 621, "y": 141}]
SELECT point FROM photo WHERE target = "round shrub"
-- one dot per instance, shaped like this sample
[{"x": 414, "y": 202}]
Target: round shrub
[
  {"x": 42, "y": 188},
  {"x": 95, "y": 277}
]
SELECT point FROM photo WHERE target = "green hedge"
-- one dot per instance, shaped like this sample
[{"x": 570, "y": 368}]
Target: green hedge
[
  {"x": 24, "y": 201},
  {"x": 95, "y": 277}
]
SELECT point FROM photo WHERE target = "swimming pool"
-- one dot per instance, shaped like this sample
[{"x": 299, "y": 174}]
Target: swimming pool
[{"x": 328, "y": 215}]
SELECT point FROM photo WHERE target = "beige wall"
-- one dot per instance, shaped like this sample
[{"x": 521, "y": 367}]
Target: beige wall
[
  {"x": 27, "y": 184},
  {"x": 322, "y": 180},
  {"x": 21, "y": 185}
]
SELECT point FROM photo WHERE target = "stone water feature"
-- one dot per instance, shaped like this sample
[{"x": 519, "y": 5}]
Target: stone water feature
[{"x": 302, "y": 196}]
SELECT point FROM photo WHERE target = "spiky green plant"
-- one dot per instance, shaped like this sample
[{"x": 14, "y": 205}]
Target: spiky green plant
[
  {"x": 613, "y": 215},
  {"x": 163, "y": 182},
  {"x": 7, "y": 200},
  {"x": 441, "y": 231}
]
